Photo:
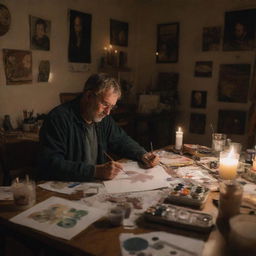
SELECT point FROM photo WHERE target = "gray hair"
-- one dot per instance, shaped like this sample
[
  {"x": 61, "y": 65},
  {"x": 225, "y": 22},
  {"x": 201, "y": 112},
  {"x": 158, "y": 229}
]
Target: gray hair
[{"x": 98, "y": 83}]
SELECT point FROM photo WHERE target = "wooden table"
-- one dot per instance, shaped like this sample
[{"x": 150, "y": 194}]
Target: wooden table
[{"x": 99, "y": 238}]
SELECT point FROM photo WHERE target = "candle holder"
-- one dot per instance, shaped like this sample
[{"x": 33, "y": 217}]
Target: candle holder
[
  {"x": 228, "y": 163},
  {"x": 24, "y": 193}
]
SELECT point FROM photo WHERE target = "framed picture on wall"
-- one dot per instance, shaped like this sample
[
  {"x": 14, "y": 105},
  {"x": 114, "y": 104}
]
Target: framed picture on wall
[
  {"x": 203, "y": 68},
  {"x": 211, "y": 38},
  {"x": 18, "y": 66},
  {"x": 40, "y": 31},
  {"x": 234, "y": 82},
  {"x": 167, "y": 43},
  {"x": 239, "y": 31},
  {"x": 79, "y": 47},
  {"x": 231, "y": 121},
  {"x": 197, "y": 123},
  {"x": 198, "y": 99},
  {"x": 119, "y": 32}
]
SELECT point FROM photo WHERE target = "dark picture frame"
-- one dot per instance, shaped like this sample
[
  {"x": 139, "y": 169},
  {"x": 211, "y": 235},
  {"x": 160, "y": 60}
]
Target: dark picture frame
[
  {"x": 239, "y": 30},
  {"x": 234, "y": 81},
  {"x": 211, "y": 38},
  {"x": 40, "y": 33},
  {"x": 203, "y": 69},
  {"x": 5, "y": 20},
  {"x": 198, "y": 99},
  {"x": 119, "y": 32},
  {"x": 79, "y": 47},
  {"x": 18, "y": 66},
  {"x": 167, "y": 43},
  {"x": 197, "y": 123},
  {"x": 231, "y": 121}
]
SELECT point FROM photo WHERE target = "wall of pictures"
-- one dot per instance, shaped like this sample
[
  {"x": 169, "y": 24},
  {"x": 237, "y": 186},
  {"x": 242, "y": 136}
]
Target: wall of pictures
[
  {"x": 216, "y": 56},
  {"x": 48, "y": 48}
]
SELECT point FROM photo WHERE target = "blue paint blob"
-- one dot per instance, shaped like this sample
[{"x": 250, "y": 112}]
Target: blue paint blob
[{"x": 135, "y": 244}]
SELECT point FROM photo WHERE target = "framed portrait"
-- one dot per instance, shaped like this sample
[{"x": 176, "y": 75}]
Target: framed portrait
[
  {"x": 5, "y": 19},
  {"x": 197, "y": 123},
  {"x": 40, "y": 32},
  {"x": 18, "y": 66},
  {"x": 231, "y": 121},
  {"x": 119, "y": 32},
  {"x": 203, "y": 68},
  {"x": 167, "y": 43},
  {"x": 79, "y": 46},
  {"x": 239, "y": 30},
  {"x": 234, "y": 82},
  {"x": 43, "y": 71},
  {"x": 211, "y": 38},
  {"x": 198, "y": 99}
]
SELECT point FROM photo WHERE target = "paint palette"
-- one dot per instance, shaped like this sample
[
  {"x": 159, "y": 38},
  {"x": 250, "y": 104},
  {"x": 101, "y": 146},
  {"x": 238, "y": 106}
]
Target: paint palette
[
  {"x": 184, "y": 192},
  {"x": 179, "y": 217}
]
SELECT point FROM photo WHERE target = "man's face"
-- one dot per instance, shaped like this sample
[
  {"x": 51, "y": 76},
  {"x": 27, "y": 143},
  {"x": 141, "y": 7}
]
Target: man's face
[
  {"x": 101, "y": 105},
  {"x": 40, "y": 30},
  {"x": 78, "y": 25},
  {"x": 239, "y": 30}
]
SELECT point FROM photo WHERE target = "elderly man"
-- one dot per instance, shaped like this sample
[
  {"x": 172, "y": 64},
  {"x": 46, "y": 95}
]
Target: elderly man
[{"x": 76, "y": 136}]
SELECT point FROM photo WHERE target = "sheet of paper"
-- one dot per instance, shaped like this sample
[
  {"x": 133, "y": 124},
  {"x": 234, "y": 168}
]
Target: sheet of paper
[
  {"x": 158, "y": 244},
  {"x": 135, "y": 178},
  {"x": 59, "y": 217}
]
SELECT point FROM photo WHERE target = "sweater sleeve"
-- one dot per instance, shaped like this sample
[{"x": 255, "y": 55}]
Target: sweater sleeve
[
  {"x": 122, "y": 144},
  {"x": 53, "y": 162}
]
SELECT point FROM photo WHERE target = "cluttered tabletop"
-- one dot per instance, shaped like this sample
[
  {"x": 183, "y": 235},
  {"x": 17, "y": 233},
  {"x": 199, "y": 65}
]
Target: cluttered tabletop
[{"x": 189, "y": 204}]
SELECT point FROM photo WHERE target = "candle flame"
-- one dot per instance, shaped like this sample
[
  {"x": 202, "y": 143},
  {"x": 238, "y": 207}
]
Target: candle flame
[
  {"x": 179, "y": 129},
  {"x": 231, "y": 153}
]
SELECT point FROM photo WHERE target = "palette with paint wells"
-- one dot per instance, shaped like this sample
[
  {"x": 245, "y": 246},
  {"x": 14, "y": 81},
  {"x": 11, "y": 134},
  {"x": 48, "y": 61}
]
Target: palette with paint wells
[
  {"x": 179, "y": 217},
  {"x": 184, "y": 192}
]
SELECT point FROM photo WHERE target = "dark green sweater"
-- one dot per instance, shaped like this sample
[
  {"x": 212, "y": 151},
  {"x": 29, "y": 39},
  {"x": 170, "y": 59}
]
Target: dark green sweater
[{"x": 62, "y": 145}]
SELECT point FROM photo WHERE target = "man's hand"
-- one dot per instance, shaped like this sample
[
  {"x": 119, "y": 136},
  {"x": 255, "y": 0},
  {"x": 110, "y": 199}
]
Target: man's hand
[
  {"x": 150, "y": 160},
  {"x": 107, "y": 171}
]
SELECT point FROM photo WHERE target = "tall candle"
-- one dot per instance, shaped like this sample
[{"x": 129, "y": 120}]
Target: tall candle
[
  {"x": 228, "y": 165},
  {"x": 179, "y": 139}
]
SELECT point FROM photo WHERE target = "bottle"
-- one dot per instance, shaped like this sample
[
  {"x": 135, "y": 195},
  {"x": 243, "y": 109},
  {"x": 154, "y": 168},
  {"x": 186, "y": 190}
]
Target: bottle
[{"x": 7, "y": 123}]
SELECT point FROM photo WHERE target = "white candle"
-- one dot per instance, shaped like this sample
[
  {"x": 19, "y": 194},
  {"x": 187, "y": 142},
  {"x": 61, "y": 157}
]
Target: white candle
[
  {"x": 228, "y": 165},
  {"x": 179, "y": 139}
]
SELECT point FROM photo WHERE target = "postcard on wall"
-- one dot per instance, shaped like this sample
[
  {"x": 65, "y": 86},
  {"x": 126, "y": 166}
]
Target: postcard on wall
[
  {"x": 134, "y": 178},
  {"x": 43, "y": 71},
  {"x": 40, "y": 33},
  {"x": 198, "y": 99},
  {"x": 239, "y": 31},
  {"x": 18, "y": 66},
  {"x": 79, "y": 47},
  {"x": 119, "y": 32},
  {"x": 234, "y": 82},
  {"x": 159, "y": 243},
  {"x": 231, "y": 121},
  {"x": 211, "y": 38},
  {"x": 203, "y": 68},
  {"x": 59, "y": 217}
]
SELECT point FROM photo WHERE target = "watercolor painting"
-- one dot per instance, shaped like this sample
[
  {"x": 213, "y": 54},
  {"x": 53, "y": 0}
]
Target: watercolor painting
[
  {"x": 203, "y": 68},
  {"x": 158, "y": 244},
  {"x": 59, "y": 217},
  {"x": 134, "y": 178}
]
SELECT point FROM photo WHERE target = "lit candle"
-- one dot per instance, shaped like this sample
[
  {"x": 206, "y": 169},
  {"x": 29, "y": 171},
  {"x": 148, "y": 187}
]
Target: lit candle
[
  {"x": 179, "y": 139},
  {"x": 228, "y": 165}
]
